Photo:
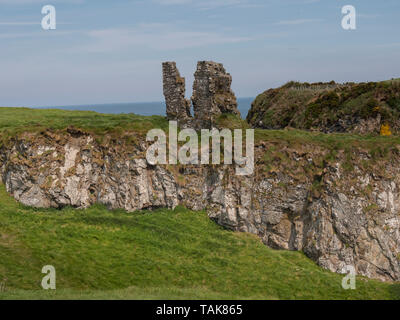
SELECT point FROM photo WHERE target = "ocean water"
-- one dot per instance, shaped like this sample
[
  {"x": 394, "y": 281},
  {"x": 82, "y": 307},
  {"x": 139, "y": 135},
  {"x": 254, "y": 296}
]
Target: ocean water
[{"x": 142, "y": 108}]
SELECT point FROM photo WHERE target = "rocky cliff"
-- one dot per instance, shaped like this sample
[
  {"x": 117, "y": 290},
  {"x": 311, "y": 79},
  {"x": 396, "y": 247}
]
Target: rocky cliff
[{"x": 338, "y": 205}]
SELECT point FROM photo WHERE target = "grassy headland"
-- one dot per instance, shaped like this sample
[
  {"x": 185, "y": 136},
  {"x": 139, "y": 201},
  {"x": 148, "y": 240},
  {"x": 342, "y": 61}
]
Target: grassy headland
[{"x": 102, "y": 254}]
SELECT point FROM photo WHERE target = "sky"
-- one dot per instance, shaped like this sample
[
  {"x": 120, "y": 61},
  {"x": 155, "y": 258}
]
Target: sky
[{"x": 111, "y": 51}]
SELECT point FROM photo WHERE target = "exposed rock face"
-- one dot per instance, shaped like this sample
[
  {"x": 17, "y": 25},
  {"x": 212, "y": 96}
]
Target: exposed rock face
[
  {"x": 178, "y": 108},
  {"x": 336, "y": 217},
  {"x": 212, "y": 94}
]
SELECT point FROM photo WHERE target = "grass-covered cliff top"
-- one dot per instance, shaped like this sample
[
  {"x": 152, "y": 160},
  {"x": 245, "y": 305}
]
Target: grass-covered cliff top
[
  {"x": 165, "y": 254},
  {"x": 15, "y": 121},
  {"x": 329, "y": 107},
  {"x": 18, "y": 120}
]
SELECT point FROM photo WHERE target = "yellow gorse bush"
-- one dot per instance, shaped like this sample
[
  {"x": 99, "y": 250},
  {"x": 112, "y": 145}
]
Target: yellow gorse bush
[{"x": 385, "y": 130}]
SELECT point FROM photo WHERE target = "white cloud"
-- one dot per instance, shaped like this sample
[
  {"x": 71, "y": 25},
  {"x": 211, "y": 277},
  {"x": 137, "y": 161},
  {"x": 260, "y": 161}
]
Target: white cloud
[
  {"x": 19, "y": 23},
  {"x": 155, "y": 36},
  {"x": 211, "y": 4},
  {"x": 367, "y": 16},
  {"x": 297, "y": 21},
  {"x": 27, "y": 23},
  {"x": 172, "y": 2},
  {"x": 38, "y": 34},
  {"x": 44, "y": 2}
]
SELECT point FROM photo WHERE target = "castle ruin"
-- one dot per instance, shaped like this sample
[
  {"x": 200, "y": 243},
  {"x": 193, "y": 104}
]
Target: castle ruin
[
  {"x": 212, "y": 95},
  {"x": 178, "y": 107}
]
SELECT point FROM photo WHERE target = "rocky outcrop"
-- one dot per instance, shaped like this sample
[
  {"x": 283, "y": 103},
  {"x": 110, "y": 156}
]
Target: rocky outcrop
[
  {"x": 300, "y": 199},
  {"x": 178, "y": 107},
  {"x": 361, "y": 108},
  {"x": 212, "y": 94}
]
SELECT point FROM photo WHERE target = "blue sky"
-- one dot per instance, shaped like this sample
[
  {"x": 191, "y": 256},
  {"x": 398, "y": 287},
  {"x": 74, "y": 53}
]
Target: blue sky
[{"x": 111, "y": 51}]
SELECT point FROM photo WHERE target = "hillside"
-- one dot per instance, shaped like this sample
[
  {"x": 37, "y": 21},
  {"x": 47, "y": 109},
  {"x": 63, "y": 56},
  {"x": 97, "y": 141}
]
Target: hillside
[
  {"x": 64, "y": 160},
  {"x": 330, "y": 107},
  {"x": 169, "y": 254}
]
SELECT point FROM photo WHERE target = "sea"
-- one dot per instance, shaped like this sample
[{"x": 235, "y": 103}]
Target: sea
[{"x": 141, "y": 108}]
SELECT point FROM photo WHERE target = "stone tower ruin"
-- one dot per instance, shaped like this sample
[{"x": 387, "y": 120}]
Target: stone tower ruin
[
  {"x": 178, "y": 107},
  {"x": 212, "y": 95}
]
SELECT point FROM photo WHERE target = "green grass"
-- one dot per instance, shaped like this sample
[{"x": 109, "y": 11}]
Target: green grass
[
  {"x": 377, "y": 146},
  {"x": 130, "y": 293},
  {"x": 298, "y": 106},
  {"x": 18, "y": 120},
  {"x": 164, "y": 254},
  {"x": 231, "y": 121}
]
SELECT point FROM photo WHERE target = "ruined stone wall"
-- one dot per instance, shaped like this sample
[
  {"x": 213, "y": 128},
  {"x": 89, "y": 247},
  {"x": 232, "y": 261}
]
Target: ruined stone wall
[
  {"x": 178, "y": 108},
  {"x": 212, "y": 94}
]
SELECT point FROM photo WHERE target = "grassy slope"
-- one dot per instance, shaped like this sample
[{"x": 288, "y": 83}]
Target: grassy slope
[
  {"x": 305, "y": 106},
  {"x": 162, "y": 254}
]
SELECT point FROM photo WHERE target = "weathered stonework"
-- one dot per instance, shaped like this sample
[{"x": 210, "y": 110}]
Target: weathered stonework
[
  {"x": 212, "y": 94},
  {"x": 178, "y": 108}
]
